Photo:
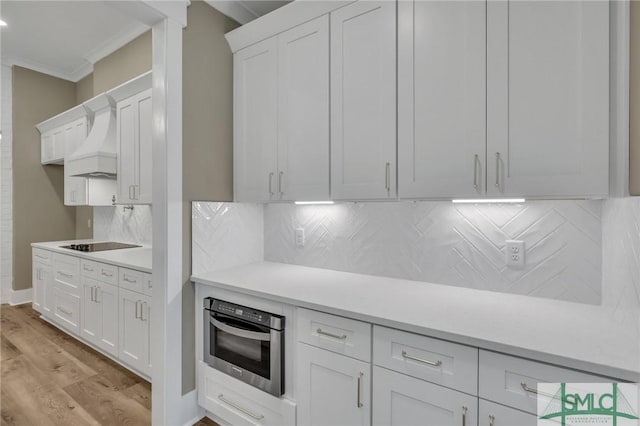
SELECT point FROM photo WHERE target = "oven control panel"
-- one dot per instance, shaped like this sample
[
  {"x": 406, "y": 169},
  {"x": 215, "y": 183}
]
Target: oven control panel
[{"x": 244, "y": 312}]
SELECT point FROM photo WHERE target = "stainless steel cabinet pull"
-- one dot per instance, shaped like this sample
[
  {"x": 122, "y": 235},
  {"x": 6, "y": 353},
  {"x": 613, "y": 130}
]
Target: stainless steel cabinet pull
[
  {"x": 88, "y": 269},
  {"x": 527, "y": 388},
  {"x": 335, "y": 336},
  {"x": 92, "y": 288},
  {"x": 280, "y": 183},
  {"x": 387, "y": 177},
  {"x": 128, "y": 280},
  {"x": 64, "y": 311},
  {"x": 497, "y": 170},
  {"x": 65, "y": 275},
  {"x": 475, "y": 171},
  {"x": 492, "y": 420},
  {"x": 96, "y": 296},
  {"x": 143, "y": 308},
  {"x": 424, "y": 361},
  {"x": 359, "y": 386},
  {"x": 271, "y": 183},
  {"x": 105, "y": 274},
  {"x": 464, "y": 416},
  {"x": 137, "y": 316},
  {"x": 239, "y": 408}
]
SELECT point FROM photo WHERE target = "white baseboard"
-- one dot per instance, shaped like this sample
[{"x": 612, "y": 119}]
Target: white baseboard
[
  {"x": 190, "y": 408},
  {"x": 19, "y": 297}
]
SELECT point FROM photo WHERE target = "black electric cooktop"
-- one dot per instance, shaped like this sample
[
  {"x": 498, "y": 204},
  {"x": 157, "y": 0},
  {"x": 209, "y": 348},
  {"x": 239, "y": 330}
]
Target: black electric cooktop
[{"x": 90, "y": 247}]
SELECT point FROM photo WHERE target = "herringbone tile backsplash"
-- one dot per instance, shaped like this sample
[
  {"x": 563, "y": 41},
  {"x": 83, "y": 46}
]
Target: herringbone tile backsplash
[{"x": 445, "y": 243}]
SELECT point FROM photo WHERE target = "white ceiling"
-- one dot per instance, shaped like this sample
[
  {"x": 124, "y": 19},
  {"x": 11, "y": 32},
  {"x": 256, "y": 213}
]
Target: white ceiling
[
  {"x": 63, "y": 38},
  {"x": 244, "y": 11}
]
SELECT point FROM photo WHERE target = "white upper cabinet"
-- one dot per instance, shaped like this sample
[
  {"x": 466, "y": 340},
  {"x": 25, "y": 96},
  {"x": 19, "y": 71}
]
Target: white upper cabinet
[
  {"x": 363, "y": 101},
  {"x": 256, "y": 121},
  {"x": 441, "y": 99},
  {"x": 75, "y": 188},
  {"x": 303, "y": 112},
  {"x": 134, "y": 147},
  {"x": 548, "y": 98}
]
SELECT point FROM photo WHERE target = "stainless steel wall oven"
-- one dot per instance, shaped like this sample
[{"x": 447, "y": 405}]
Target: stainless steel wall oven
[{"x": 245, "y": 343}]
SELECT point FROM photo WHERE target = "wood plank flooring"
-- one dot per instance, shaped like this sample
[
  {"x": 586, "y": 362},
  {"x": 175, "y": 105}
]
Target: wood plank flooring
[{"x": 49, "y": 378}]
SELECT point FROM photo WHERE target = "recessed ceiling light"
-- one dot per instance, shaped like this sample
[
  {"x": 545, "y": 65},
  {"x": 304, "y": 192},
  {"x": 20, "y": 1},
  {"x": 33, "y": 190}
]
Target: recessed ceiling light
[{"x": 2, "y": 23}]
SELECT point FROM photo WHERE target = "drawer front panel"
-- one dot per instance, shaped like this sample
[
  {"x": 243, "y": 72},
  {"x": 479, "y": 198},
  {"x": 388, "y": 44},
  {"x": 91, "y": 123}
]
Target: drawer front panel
[
  {"x": 108, "y": 274},
  {"x": 42, "y": 256},
  {"x": 499, "y": 415},
  {"x": 131, "y": 280},
  {"x": 238, "y": 403},
  {"x": 66, "y": 309},
  {"x": 514, "y": 381},
  {"x": 66, "y": 273},
  {"x": 336, "y": 334},
  {"x": 437, "y": 361},
  {"x": 89, "y": 268}
]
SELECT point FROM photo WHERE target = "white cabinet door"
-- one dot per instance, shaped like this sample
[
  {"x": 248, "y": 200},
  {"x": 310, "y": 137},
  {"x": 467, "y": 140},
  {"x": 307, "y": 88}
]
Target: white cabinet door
[
  {"x": 106, "y": 304},
  {"x": 363, "y": 101},
  {"x": 303, "y": 112},
  {"x": 91, "y": 318},
  {"x": 491, "y": 414},
  {"x": 400, "y": 400},
  {"x": 548, "y": 98},
  {"x": 256, "y": 121},
  {"x": 332, "y": 389},
  {"x": 441, "y": 99},
  {"x": 134, "y": 148},
  {"x": 38, "y": 287},
  {"x": 134, "y": 329},
  {"x": 75, "y": 188},
  {"x": 145, "y": 151},
  {"x": 46, "y": 288}
]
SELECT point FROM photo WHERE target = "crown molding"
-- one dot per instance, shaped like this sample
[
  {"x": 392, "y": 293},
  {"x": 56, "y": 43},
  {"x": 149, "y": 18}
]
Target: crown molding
[
  {"x": 74, "y": 76},
  {"x": 233, "y": 9}
]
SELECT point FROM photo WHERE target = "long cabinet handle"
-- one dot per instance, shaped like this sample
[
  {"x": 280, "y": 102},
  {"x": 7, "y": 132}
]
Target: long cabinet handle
[
  {"x": 239, "y": 408},
  {"x": 124, "y": 278},
  {"x": 271, "y": 183},
  {"x": 92, "y": 297},
  {"x": 143, "y": 308},
  {"x": 64, "y": 311},
  {"x": 464, "y": 416},
  {"x": 65, "y": 275},
  {"x": 280, "y": 175},
  {"x": 492, "y": 420},
  {"x": 528, "y": 389},
  {"x": 422, "y": 360},
  {"x": 497, "y": 170},
  {"x": 475, "y": 171},
  {"x": 387, "y": 176},
  {"x": 103, "y": 273},
  {"x": 137, "y": 316},
  {"x": 97, "y": 292},
  {"x": 359, "y": 402},
  {"x": 335, "y": 336}
]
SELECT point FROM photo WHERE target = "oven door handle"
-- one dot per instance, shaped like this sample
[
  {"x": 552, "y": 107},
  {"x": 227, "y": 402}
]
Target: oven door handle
[{"x": 253, "y": 335}]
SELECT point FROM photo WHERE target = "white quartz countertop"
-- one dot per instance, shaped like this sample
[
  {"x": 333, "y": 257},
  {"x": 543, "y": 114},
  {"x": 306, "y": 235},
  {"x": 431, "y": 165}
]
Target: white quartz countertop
[
  {"x": 573, "y": 335},
  {"x": 138, "y": 258}
]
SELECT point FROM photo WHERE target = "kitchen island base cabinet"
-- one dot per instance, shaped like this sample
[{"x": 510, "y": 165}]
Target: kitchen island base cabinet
[
  {"x": 400, "y": 400},
  {"x": 490, "y": 414},
  {"x": 134, "y": 330},
  {"x": 332, "y": 389}
]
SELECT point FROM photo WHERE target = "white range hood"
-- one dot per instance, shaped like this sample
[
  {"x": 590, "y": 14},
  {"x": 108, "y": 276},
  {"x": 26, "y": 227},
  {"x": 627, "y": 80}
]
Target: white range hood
[{"x": 96, "y": 156}]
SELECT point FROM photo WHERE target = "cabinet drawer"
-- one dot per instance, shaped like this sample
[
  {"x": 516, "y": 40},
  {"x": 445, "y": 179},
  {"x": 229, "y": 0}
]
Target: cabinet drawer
[
  {"x": 42, "y": 256},
  {"x": 107, "y": 273},
  {"x": 238, "y": 403},
  {"x": 148, "y": 284},
  {"x": 337, "y": 334},
  {"x": 66, "y": 309},
  {"x": 89, "y": 268},
  {"x": 66, "y": 273},
  {"x": 491, "y": 414},
  {"x": 131, "y": 280},
  {"x": 437, "y": 361},
  {"x": 513, "y": 381}
]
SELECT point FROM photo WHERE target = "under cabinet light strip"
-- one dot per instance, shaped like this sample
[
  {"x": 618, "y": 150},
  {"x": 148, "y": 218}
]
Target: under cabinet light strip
[
  {"x": 489, "y": 201},
  {"x": 302, "y": 203}
]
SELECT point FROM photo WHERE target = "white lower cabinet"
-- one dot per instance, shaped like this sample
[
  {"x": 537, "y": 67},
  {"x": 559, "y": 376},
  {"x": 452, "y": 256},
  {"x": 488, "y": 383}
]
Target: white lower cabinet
[
  {"x": 42, "y": 290},
  {"x": 332, "y": 389},
  {"x": 491, "y": 414},
  {"x": 400, "y": 400},
  {"x": 134, "y": 330},
  {"x": 100, "y": 315}
]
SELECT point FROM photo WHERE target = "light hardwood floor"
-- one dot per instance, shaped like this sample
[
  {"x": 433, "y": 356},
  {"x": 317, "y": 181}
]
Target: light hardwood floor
[{"x": 49, "y": 378}]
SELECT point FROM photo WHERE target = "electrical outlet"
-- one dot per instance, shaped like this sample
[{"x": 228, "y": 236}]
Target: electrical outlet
[
  {"x": 299, "y": 237},
  {"x": 514, "y": 252}
]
